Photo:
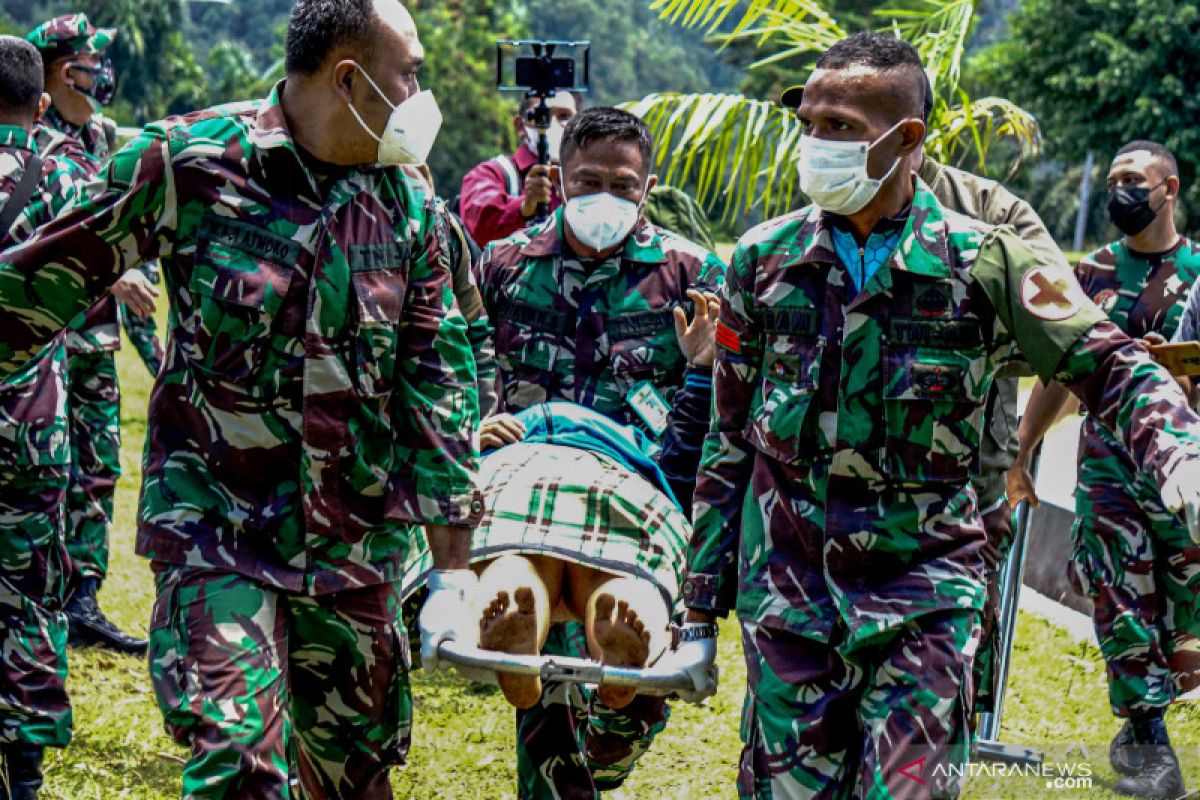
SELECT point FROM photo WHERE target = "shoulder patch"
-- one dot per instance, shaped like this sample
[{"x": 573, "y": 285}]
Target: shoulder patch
[{"x": 1048, "y": 294}]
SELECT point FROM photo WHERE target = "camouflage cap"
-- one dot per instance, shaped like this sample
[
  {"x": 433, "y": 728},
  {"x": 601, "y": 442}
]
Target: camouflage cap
[{"x": 71, "y": 33}]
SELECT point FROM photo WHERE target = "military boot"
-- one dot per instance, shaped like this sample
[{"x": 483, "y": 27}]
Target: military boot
[
  {"x": 89, "y": 626},
  {"x": 1124, "y": 753},
  {"x": 21, "y": 777},
  {"x": 1158, "y": 776}
]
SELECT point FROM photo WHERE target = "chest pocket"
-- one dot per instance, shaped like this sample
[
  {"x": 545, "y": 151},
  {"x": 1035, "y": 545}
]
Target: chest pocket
[
  {"x": 937, "y": 382},
  {"x": 529, "y": 350},
  {"x": 379, "y": 276},
  {"x": 643, "y": 347},
  {"x": 239, "y": 280},
  {"x": 783, "y": 416}
]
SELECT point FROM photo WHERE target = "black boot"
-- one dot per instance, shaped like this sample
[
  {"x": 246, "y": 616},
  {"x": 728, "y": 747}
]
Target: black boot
[
  {"x": 1124, "y": 754},
  {"x": 1158, "y": 776},
  {"x": 22, "y": 773},
  {"x": 89, "y": 626}
]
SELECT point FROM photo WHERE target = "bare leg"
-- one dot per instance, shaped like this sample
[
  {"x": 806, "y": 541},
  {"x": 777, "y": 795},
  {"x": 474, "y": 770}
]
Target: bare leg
[
  {"x": 626, "y": 622},
  {"x": 517, "y": 617}
]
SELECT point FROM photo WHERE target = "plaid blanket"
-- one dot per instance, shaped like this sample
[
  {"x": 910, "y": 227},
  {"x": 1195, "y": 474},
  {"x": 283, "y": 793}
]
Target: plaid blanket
[{"x": 579, "y": 506}]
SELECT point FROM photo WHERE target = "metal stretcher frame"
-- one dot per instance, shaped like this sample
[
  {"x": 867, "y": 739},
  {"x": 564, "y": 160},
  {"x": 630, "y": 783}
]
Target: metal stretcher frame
[{"x": 481, "y": 665}]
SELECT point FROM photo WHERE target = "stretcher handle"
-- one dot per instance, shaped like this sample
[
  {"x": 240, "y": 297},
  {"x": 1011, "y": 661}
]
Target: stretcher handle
[{"x": 482, "y": 665}]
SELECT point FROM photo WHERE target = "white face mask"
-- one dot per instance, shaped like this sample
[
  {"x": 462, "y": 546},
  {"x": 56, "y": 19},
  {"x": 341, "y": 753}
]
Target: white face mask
[
  {"x": 601, "y": 221},
  {"x": 553, "y": 136},
  {"x": 411, "y": 129},
  {"x": 834, "y": 174}
]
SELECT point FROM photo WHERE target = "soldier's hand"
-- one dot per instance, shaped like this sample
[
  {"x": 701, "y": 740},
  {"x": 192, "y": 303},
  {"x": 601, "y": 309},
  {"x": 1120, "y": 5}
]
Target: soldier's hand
[
  {"x": 449, "y": 613},
  {"x": 499, "y": 430},
  {"x": 698, "y": 341},
  {"x": 136, "y": 291},
  {"x": 1019, "y": 484},
  {"x": 1181, "y": 495},
  {"x": 695, "y": 655},
  {"x": 538, "y": 189}
]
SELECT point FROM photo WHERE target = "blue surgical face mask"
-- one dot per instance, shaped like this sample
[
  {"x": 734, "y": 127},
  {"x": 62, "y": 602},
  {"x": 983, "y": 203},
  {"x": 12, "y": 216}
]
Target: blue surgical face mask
[{"x": 834, "y": 174}]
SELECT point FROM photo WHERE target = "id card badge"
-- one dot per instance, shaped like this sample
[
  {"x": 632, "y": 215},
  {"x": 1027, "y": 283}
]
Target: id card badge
[{"x": 650, "y": 407}]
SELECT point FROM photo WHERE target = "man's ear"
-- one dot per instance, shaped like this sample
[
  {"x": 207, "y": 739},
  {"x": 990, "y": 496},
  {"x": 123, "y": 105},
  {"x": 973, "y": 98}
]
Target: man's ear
[
  {"x": 651, "y": 182},
  {"x": 43, "y": 107},
  {"x": 342, "y": 78},
  {"x": 64, "y": 75},
  {"x": 1172, "y": 187},
  {"x": 912, "y": 135}
]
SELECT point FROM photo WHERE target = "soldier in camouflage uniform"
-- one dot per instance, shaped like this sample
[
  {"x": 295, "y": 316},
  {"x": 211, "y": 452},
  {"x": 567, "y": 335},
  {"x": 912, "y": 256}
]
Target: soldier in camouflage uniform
[
  {"x": 1132, "y": 556},
  {"x": 315, "y": 406},
  {"x": 591, "y": 325},
  {"x": 78, "y": 79},
  {"x": 857, "y": 343},
  {"x": 34, "y": 462}
]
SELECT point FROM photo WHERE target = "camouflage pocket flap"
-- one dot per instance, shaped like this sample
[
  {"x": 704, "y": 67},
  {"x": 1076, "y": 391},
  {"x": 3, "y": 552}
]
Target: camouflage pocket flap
[
  {"x": 791, "y": 360},
  {"x": 232, "y": 276}
]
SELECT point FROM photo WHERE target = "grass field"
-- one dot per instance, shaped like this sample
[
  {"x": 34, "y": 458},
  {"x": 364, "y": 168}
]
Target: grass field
[{"x": 463, "y": 739}]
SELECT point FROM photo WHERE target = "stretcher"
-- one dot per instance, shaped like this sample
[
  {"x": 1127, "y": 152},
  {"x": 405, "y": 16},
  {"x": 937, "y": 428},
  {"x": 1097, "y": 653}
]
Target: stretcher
[{"x": 660, "y": 679}]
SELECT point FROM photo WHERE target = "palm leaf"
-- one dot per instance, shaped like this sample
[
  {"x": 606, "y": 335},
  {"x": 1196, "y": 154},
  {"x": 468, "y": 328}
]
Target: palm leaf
[{"x": 736, "y": 152}]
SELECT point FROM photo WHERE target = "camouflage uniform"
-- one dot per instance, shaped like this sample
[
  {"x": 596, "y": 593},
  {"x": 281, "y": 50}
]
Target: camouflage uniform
[
  {"x": 94, "y": 404},
  {"x": 834, "y": 510},
  {"x": 989, "y": 202},
  {"x": 316, "y": 404},
  {"x": 588, "y": 332},
  {"x": 1133, "y": 558},
  {"x": 1189, "y": 322},
  {"x": 34, "y": 460}
]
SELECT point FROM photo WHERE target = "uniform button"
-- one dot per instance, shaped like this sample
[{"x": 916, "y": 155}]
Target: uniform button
[
  {"x": 689, "y": 588},
  {"x": 476, "y": 506}
]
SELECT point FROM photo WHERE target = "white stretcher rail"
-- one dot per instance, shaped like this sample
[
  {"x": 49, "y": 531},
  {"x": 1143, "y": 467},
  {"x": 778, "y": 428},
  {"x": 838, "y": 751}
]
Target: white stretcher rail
[{"x": 481, "y": 665}]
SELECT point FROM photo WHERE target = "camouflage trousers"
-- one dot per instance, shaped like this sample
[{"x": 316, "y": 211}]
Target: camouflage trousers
[
  {"x": 1136, "y": 562},
  {"x": 883, "y": 720},
  {"x": 571, "y": 746},
  {"x": 34, "y": 571},
  {"x": 94, "y": 407},
  {"x": 270, "y": 689}
]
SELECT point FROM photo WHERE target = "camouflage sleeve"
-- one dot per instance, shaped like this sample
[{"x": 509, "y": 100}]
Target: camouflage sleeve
[
  {"x": 436, "y": 397},
  {"x": 1189, "y": 323},
  {"x": 143, "y": 335},
  {"x": 1068, "y": 339},
  {"x": 1039, "y": 304},
  {"x": 727, "y": 458},
  {"x": 491, "y": 394},
  {"x": 464, "y": 256},
  {"x": 69, "y": 263}
]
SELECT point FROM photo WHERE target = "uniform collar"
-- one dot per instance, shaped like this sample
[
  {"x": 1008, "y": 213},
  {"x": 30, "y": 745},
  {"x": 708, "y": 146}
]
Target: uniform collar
[
  {"x": 922, "y": 249},
  {"x": 14, "y": 136},
  {"x": 270, "y": 129},
  {"x": 643, "y": 246}
]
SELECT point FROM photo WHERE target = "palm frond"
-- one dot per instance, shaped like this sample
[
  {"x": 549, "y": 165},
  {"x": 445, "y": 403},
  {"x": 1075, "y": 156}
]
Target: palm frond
[{"x": 737, "y": 153}]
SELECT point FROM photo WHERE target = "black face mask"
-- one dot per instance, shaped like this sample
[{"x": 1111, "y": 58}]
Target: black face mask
[{"x": 1129, "y": 208}]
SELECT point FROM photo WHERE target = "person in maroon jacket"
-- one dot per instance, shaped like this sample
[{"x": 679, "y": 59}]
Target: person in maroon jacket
[{"x": 500, "y": 196}]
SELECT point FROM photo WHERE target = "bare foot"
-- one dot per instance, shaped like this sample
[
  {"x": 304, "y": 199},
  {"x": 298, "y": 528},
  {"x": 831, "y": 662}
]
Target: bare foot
[
  {"x": 510, "y": 629},
  {"x": 625, "y": 642}
]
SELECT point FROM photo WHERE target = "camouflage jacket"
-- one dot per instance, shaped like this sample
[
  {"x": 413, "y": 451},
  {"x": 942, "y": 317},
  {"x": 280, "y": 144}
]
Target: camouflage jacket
[
  {"x": 847, "y": 423},
  {"x": 317, "y": 399},
  {"x": 83, "y": 150},
  {"x": 588, "y": 332},
  {"x": 1141, "y": 293},
  {"x": 33, "y": 423}
]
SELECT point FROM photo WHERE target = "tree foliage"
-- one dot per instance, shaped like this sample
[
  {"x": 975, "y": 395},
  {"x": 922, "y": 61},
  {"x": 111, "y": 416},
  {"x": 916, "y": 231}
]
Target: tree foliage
[{"x": 1104, "y": 72}]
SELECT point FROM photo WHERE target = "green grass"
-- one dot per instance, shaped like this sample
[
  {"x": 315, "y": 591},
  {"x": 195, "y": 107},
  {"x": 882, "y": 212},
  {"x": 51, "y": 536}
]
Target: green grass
[{"x": 463, "y": 737}]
